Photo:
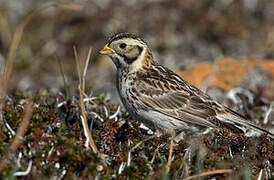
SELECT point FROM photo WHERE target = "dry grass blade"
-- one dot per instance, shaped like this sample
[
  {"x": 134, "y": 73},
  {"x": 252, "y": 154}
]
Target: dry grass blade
[
  {"x": 5, "y": 32},
  {"x": 81, "y": 75},
  {"x": 19, "y": 133},
  {"x": 17, "y": 36},
  {"x": 169, "y": 156},
  {"x": 139, "y": 143},
  {"x": 85, "y": 69},
  {"x": 71, "y": 6},
  {"x": 23, "y": 126},
  {"x": 16, "y": 39},
  {"x": 154, "y": 154},
  {"x": 63, "y": 76},
  {"x": 77, "y": 65},
  {"x": 209, "y": 173}
]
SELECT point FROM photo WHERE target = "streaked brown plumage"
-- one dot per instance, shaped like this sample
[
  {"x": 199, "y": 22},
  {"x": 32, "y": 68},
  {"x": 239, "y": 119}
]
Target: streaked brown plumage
[{"x": 160, "y": 98}]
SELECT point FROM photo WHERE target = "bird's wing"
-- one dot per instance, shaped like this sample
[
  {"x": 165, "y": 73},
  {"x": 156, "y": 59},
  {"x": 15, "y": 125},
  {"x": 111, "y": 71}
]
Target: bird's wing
[
  {"x": 184, "y": 102},
  {"x": 176, "y": 102}
]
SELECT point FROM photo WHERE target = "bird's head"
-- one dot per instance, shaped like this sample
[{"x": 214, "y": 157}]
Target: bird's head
[{"x": 127, "y": 51}]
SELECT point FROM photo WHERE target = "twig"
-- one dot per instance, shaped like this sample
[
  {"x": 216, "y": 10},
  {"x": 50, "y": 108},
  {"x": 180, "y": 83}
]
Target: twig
[
  {"x": 141, "y": 142},
  {"x": 89, "y": 99},
  {"x": 9, "y": 128},
  {"x": 24, "y": 173},
  {"x": 16, "y": 39},
  {"x": 19, "y": 159},
  {"x": 129, "y": 159},
  {"x": 81, "y": 76},
  {"x": 61, "y": 104},
  {"x": 97, "y": 116},
  {"x": 149, "y": 131},
  {"x": 232, "y": 94},
  {"x": 260, "y": 174},
  {"x": 85, "y": 69},
  {"x": 17, "y": 36},
  {"x": 154, "y": 154},
  {"x": 19, "y": 134},
  {"x": 22, "y": 127},
  {"x": 169, "y": 156},
  {"x": 230, "y": 152},
  {"x": 115, "y": 114},
  {"x": 209, "y": 173},
  {"x": 85, "y": 131},
  {"x": 268, "y": 112},
  {"x": 122, "y": 167},
  {"x": 133, "y": 149},
  {"x": 106, "y": 111}
]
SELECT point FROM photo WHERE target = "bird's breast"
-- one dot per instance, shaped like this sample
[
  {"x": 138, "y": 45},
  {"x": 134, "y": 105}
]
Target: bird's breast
[{"x": 125, "y": 83}]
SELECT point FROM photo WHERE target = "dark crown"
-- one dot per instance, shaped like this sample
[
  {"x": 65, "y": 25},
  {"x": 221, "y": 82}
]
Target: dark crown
[{"x": 124, "y": 35}]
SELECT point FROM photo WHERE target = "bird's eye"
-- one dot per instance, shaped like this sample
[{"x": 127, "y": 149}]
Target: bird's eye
[{"x": 123, "y": 45}]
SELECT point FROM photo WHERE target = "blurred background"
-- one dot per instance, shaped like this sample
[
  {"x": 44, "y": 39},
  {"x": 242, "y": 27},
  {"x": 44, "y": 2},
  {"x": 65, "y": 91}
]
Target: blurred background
[{"x": 181, "y": 33}]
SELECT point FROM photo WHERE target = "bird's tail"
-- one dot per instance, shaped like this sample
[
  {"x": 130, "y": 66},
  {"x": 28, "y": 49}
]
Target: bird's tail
[{"x": 247, "y": 127}]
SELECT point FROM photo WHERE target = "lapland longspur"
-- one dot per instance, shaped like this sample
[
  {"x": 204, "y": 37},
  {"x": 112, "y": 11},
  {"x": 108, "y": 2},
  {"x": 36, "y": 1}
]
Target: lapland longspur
[{"x": 161, "y": 99}]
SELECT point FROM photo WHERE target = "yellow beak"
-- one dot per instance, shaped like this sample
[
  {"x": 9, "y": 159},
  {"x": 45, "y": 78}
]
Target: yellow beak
[{"x": 106, "y": 50}]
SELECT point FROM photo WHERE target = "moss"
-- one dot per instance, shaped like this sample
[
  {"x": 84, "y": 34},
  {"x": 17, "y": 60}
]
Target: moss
[
  {"x": 49, "y": 170},
  {"x": 7, "y": 171},
  {"x": 101, "y": 96},
  {"x": 53, "y": 140}
]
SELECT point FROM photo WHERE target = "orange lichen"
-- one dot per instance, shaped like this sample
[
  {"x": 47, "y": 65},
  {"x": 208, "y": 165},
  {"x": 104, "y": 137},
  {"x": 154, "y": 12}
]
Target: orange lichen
[
  {"x": 226, "y": 73},
  {"x": 268, "y": 65},
  {"x": 197, "y": 74}
]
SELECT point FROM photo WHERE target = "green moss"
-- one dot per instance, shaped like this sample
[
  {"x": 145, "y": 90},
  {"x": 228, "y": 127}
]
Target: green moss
[
  {"x": 46, "y": 132},
  {"x": 49, "y": 170},
  {"x": 101, "y": 96},
  {"x": 63, "y": 127}
]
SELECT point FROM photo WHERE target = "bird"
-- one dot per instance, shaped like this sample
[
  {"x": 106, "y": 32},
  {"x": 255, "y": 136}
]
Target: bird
[{"x": 161, "y": 99}]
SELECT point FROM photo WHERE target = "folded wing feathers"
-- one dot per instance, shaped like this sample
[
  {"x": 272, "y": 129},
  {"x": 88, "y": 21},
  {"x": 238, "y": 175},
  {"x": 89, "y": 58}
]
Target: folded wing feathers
[{"x": 182, "y": 104}]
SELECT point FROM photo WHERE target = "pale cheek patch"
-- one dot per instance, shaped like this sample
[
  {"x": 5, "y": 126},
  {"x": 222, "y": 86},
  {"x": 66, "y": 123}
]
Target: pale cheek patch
[
  {"x": 134, "y": 53},
  {"x": 138, "y": 63}
]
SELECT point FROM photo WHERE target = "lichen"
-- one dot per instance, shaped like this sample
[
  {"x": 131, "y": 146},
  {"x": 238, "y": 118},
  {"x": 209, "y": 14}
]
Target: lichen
[{"x": 55, "y": 142}]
